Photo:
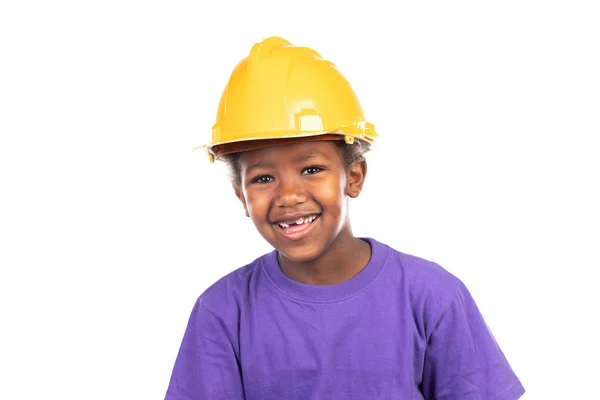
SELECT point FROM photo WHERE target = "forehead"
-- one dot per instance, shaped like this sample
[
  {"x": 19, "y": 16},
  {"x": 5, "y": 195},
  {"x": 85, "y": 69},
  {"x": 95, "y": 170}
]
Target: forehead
[{"x": 300, "y": 150}]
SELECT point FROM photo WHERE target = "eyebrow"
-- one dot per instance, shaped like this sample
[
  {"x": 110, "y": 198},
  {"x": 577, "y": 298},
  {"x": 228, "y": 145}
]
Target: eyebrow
[
  {"x": 300, "y": 158},
  {"x": 260, "y": 164},
  {"x": 312, "y": 154}
]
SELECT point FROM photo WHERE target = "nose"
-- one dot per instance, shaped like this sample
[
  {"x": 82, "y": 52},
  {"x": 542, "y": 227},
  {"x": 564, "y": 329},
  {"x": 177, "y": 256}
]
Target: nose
[{"x": 290, "y": 192}]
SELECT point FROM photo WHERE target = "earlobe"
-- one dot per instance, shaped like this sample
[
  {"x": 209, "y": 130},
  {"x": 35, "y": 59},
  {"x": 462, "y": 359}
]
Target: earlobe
[
  {"x": 356, "y": 178},
  {"x": 240, "y": 195}
]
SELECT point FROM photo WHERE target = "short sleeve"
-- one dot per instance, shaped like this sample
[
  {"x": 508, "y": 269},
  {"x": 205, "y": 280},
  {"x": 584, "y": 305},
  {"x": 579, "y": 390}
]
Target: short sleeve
[
  {"x": 206, "y": 366},
  {"x": 463, "y": 361}
]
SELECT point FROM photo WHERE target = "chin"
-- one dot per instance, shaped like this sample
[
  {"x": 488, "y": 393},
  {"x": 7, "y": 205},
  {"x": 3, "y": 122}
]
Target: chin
[{"x": 300, "y": 254}]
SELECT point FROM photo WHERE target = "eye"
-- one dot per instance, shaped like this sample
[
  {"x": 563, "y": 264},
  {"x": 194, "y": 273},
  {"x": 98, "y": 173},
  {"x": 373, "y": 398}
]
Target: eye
[
  {"x": 262, "y": 179},
  {"x": 311, "y": 170}
]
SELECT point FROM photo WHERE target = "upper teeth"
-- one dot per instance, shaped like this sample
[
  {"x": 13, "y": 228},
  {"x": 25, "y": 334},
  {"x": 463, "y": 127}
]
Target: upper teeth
[{"x": 300, "y": 221}]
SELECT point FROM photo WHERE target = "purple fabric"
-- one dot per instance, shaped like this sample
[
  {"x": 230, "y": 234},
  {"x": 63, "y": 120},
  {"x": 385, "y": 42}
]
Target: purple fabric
[{"x": 403, "y": 328}]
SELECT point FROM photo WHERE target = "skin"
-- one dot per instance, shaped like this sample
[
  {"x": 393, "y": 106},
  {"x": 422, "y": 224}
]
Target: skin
[{"x": 307, "y": 177}]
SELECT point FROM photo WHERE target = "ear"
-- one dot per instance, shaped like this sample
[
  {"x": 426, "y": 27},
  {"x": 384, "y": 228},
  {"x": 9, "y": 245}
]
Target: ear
[
  {"x": 239, "y": 193},
  {"x": 356, "y": 175}
]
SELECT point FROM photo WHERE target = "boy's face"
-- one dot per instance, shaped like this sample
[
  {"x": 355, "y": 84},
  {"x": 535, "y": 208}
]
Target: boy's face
[{"x": 296, "y": 195}]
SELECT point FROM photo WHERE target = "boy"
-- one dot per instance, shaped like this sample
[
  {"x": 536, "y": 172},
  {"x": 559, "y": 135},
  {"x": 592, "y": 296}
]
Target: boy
[{"x": 325, "y": 315}]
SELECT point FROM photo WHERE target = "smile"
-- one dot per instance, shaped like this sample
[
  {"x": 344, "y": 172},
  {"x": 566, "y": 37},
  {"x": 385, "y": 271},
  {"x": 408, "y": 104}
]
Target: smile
[{"x": 295, "y": 230}]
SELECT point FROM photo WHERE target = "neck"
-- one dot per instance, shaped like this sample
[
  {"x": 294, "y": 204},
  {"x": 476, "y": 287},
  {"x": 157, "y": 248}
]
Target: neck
[{"x": 345, "y": 258}]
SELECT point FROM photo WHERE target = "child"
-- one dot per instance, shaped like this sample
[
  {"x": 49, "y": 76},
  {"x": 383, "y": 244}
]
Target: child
[{"x": 325, "y": 315}]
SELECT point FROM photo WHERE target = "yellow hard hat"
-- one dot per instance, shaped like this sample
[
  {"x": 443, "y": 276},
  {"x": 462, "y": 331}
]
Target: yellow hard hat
[{"x": 281, "y": 93}]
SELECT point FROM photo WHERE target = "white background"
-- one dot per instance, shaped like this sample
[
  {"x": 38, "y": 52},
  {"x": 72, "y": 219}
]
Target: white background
[{"x": 110, "y": 226}]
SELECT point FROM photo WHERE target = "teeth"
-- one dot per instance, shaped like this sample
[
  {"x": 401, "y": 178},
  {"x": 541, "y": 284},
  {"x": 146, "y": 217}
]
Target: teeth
[
  {"x": 300, "y": 221},
  {"x": 310, "y": 219}
]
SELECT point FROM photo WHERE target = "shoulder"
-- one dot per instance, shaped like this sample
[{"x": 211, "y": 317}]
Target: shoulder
[
  {"x": 226, "y": 294},
  {"x": 462, "y": 358},
  {"x": 429, "y": 287},
  {"x": 422, "y": 274}
]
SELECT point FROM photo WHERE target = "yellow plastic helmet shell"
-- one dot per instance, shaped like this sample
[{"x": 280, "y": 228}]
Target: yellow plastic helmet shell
[{"x": 281, "y": 91}]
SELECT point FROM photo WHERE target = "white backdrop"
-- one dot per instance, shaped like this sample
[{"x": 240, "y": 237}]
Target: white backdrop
[{"x": 110, "y": 226}]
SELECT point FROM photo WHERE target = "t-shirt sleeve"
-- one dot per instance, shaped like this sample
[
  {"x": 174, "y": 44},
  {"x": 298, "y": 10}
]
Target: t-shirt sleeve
[
  {"x": 206, "y": 367},
  {"x": 463, "y": 361}
]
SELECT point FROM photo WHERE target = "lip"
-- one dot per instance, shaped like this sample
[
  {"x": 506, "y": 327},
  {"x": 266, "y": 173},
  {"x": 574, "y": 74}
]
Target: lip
[{"x": 295, "y": 236}]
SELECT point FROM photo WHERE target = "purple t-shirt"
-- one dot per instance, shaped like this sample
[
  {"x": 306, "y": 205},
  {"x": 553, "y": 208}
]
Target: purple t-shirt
[{"x": 403, "y": 328}]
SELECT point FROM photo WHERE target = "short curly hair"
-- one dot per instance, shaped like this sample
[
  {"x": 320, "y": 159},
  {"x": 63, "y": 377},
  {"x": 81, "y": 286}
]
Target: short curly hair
[{"x": 350, "y": 153}]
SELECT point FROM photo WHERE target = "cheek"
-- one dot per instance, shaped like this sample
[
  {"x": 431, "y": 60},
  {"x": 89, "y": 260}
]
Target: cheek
[
  {"x": 257, "y": 204},
  {"x": 332, "y": 194}
]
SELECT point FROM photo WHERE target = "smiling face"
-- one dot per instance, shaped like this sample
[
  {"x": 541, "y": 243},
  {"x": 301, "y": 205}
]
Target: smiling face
[{"x": 297, "y": 196}]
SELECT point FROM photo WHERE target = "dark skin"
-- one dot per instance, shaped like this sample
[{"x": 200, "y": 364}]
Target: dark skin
[{"x": 307, "y": 181}]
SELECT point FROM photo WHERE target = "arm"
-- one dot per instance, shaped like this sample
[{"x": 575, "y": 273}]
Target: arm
[
  {"x": 463, "y": 360},
  {"x": 206, "y": 367}
]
